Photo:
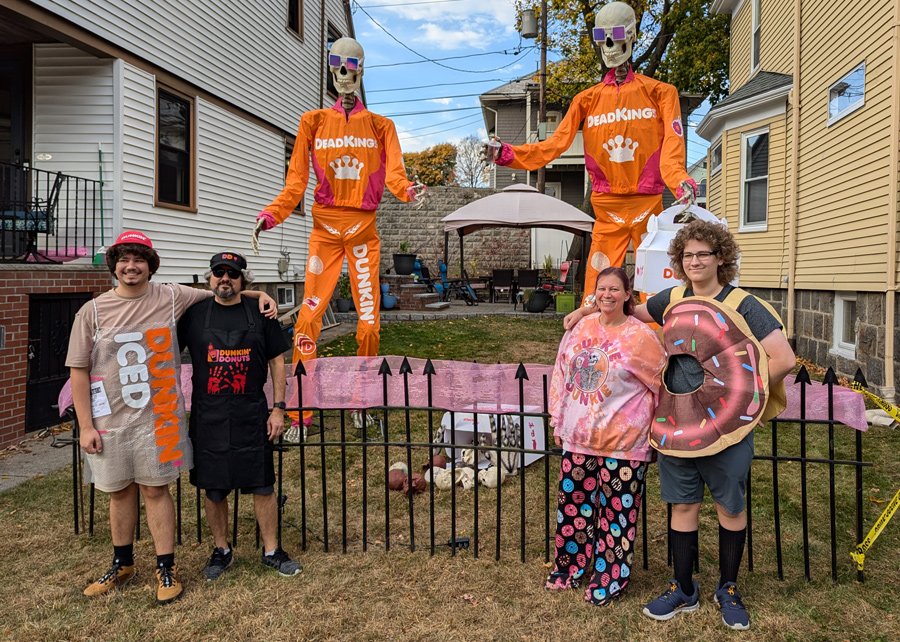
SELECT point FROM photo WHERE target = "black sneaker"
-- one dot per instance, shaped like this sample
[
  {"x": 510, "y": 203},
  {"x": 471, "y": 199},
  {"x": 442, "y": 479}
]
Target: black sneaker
[
  {"x": 218, "y": 562},
  {"x": 281, "y": 562}
]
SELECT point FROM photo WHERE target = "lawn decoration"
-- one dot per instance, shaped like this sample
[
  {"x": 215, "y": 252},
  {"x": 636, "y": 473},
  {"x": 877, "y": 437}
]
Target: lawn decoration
[
  {"x": 355, "y": 155},
  {"x": 633, "y": 144},
  {"x": 491, "y": 477},
  {"x": 397, "y": 476}
]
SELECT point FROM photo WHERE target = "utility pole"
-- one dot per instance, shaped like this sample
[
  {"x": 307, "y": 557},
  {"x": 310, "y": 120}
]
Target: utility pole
[{"x": 542, "y": 100}]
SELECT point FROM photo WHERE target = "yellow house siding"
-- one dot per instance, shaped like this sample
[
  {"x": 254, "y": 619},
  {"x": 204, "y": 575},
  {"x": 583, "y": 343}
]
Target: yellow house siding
[
  {"x": 714, "y": 192},
  {"x": 739, "y": 64},
  {"x": 777, "y": 36},
  {"x": 844, "y": 169},
  {"x": 763, "y": 252}
]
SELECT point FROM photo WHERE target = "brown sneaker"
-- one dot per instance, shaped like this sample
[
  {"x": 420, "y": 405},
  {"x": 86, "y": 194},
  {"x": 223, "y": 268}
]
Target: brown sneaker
[
  {"x": 169, "y": 588},
  {"x": 117, "y": 575}
]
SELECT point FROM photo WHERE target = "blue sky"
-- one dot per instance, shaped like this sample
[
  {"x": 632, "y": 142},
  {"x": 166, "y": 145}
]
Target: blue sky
[{"x": 437, "y": 56}]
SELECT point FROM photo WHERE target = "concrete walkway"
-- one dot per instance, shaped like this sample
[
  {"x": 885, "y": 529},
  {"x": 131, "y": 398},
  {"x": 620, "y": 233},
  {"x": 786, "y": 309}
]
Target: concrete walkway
[{"x": 34, "y": 457}]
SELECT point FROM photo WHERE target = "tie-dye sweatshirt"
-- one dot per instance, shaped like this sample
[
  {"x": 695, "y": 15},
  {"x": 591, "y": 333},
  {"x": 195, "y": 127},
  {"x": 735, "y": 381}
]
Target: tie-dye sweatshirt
[{"x": 604, "y": 388}]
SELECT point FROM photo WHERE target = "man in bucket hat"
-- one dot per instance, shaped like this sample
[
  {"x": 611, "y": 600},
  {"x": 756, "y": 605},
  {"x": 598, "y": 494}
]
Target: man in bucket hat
[{"x": 124, "y": 361}]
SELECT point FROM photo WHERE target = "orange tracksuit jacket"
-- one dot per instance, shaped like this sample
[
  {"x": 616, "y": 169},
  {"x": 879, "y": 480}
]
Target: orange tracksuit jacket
[{"x": 633, "y": 148}]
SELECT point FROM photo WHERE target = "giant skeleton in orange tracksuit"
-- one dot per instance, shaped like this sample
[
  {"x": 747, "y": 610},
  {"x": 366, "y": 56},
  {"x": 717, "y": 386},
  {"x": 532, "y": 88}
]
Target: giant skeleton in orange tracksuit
[
  {"x": 633, "y": 145},
  {"x": 354, "y": 154}
]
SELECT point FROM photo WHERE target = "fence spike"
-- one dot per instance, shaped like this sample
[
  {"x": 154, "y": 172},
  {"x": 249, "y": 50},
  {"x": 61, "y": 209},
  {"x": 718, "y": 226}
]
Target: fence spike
[
  {"x": 860, "y": 378},
  {"x": 429, "y": 368},
  {"x": 803, "y": 376},
  {"x": 405, "y": 368},
  {"x": 830, "y": 378},
  {"x": 300, "y": 370},
  {"x": 521, "y": 373},
  {"x": 385, "y": 368}
]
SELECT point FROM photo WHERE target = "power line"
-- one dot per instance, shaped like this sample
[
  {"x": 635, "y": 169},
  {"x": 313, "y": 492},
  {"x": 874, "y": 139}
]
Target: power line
[
  {"x": 506, "y": 52},
  {"x": 406, "y": 100},
  {"x": 440, "y": 84},
  {"x": 426, "y": 58},
  {"x": 446, "y": 122},
  {"x": 433, "y": 111},
  {"x": 450, "y": 129}
]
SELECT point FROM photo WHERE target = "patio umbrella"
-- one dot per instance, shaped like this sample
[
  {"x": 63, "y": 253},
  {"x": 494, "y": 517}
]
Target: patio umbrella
[{"x": 515, "y": 206}]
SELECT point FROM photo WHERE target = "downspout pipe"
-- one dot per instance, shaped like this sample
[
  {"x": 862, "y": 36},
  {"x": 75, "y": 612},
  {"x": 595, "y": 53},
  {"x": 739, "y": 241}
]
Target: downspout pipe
[
  {"x": 890, "y": 303},
  {"x": 795, "y": 178}
]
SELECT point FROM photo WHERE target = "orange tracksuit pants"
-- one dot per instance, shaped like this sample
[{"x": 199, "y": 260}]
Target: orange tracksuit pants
[
  {"x": 340, "y": 232},
  {"x": 618, "y": 220}
]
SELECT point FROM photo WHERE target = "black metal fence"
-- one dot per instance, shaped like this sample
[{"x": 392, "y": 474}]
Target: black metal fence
[
  {"x": 47, "y": 216},
  {"x": 341, "y": 472}
]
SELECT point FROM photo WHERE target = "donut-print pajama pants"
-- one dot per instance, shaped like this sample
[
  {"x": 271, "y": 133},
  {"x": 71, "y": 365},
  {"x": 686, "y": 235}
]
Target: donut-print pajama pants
[{"x": 599, "y": 502}]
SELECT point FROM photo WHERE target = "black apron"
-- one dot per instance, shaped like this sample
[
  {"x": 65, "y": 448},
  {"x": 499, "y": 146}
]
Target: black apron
[{"x": 228, "y": 418}]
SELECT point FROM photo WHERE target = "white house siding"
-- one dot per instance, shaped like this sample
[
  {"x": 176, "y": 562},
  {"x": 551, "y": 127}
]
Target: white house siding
[
  {"x": 73, "y": 115},
  {"x": 240, "y": 168},
  {"x": 239, "y": 51}
]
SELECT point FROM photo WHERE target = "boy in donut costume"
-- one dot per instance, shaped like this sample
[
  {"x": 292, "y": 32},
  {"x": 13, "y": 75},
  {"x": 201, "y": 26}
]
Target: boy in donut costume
[
  {"x": 704, "y": 255},
  {"x": 355, "y": 154},
  {"x": 633, "y": 144}
]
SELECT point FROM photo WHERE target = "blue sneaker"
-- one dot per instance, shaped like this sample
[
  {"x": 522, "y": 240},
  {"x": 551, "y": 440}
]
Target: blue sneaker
[
  {"x": 673, "y": 602},
  {"x": 734, "y": 615}
]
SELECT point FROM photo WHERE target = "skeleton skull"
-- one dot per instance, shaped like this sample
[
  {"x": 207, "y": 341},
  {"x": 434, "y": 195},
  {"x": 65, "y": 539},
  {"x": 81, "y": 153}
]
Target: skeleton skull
[
  {"x": 615, "y": 30},
  {"x": 345, "y": 62}
]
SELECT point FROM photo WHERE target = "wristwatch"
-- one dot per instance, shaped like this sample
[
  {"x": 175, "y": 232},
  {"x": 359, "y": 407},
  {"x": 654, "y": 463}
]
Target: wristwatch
[{"x": 279, "y": 404}]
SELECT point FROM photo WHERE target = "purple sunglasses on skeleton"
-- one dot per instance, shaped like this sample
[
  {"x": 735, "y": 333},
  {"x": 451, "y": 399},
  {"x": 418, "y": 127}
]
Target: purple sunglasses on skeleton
[
  {"x": 616, "y": 33},
  {"x": 351, "y": 62}
]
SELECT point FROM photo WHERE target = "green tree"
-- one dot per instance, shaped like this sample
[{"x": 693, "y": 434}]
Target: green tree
[
  {"x": 434, "y": 166},
  {"x": 679, "y": 41}
]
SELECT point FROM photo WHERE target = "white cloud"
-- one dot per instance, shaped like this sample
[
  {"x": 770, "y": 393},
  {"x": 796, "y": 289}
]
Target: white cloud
[{"x": 441, "y": 101}]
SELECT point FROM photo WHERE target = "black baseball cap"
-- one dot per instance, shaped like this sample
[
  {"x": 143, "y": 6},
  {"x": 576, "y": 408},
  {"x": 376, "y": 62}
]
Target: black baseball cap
[{"x": 231, "y": 259}]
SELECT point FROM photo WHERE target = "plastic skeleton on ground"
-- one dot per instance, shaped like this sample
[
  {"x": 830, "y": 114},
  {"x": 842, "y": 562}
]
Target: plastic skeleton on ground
[
  {"x": 633, "y": 144},
  {"x": 354, "y": 154}
]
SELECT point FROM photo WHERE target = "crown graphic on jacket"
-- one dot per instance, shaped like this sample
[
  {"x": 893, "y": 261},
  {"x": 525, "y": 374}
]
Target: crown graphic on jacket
[
  {"x": 620, "y": 149},
  {"x": 346, "y": 168}
]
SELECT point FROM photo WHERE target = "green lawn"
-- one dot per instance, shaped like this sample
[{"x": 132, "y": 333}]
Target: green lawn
[{"x": 400, "y": 594}]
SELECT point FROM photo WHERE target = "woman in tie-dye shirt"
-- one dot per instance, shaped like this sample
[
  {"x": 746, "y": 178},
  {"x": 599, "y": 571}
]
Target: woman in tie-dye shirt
[{"x": 602, "y": 396}]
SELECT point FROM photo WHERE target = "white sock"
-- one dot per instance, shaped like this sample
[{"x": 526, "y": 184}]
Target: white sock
[
  {"x": 226, "y": 550},
  {"x": 271, "y": 553}
]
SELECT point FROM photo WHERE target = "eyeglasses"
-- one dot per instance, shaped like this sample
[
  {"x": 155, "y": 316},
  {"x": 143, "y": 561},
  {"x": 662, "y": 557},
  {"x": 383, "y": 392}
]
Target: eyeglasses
[
  {"x": 703, "y": 256},
  {"x": 351, "y": 62},
  {"x": 219, "y": 272},
  {"x": 616, "y": 33}
]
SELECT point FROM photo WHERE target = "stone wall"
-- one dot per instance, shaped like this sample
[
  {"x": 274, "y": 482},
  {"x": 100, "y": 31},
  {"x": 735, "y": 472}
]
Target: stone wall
[{"x": 501, "y": 247}]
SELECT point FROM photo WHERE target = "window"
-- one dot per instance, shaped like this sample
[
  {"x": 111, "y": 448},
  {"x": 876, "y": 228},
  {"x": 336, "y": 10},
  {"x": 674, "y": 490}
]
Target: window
[
  {"x": 295, "y": 17},
  {"x": 754, "y": 44},
  {"x": 847, "y": 95},
  {"x": 333, "y": 35},
  {"x": 715, "y": 158},
  {"x": 844, "y": 343},
  {"x": 284, "y": 294},
  {"x": 175, "y": 150},
  {"x": 754, "y": 179}
]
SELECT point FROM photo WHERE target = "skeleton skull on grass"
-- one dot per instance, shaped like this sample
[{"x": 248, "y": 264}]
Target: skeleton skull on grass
[{"x": 615, "y": 30}]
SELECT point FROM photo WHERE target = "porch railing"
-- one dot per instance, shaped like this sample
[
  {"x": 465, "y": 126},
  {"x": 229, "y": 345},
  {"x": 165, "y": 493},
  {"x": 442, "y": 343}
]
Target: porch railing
[{"x": 47, "y": 216}]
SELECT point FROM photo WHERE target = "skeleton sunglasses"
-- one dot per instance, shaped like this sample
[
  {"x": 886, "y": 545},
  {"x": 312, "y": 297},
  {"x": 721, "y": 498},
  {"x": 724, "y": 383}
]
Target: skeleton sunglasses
[
  {"x": 351, "y": 62},
  {"x": 617, "y": 33}
]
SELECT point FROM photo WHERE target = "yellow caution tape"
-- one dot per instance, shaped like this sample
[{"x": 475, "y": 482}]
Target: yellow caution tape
[
  {"x": 890, "y": 409},
  {"x": 859, "y": 553}
]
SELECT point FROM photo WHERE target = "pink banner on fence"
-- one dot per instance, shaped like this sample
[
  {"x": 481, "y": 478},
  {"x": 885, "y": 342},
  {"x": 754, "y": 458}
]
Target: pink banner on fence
[{"x": 354, "y": 383}]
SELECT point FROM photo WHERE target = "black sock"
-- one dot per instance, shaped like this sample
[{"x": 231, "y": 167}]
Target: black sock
[
  {"x": 731, "y": 551},
  {"x": 684, "y": 550},
  {"x": 124, "y": 554},
  {"x": 167, "y": 560}
]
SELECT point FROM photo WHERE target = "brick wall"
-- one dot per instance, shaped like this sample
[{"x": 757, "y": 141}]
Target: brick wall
[
  {"x": 501, "y": 247},
  {"x": 16, "y": 283}
]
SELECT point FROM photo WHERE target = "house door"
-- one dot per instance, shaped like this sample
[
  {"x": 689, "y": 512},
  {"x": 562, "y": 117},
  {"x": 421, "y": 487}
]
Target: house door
[
  {"x": 12, "y": 111},
  {"x": 50, "y": 319}
]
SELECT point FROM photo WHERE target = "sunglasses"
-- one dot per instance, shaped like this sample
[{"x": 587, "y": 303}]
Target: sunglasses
[
  {"x": 616, "y": 33},
  {"x": 219, "y": 272},
  {"x": 351, "y": 62}
]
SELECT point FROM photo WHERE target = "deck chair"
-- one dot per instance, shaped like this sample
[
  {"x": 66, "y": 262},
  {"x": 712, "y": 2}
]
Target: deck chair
[
  {"x": 457, "y": 288},
  {"x": 566, "y": 282},
  {"x": 501, "y": 281}
]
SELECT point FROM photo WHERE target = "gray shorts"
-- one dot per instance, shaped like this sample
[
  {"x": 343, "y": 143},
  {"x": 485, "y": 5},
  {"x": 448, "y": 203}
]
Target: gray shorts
[
  {"x": 681, "y": 479},
  {"x": 218, "y": 494}
]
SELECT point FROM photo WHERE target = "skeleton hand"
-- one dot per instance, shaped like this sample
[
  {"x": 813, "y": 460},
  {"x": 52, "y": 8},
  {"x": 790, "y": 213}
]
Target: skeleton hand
[
  {"x": 417, "y": 193},
  {"x": 265, "y": 220},
  {"x": 687, "y": 192}
]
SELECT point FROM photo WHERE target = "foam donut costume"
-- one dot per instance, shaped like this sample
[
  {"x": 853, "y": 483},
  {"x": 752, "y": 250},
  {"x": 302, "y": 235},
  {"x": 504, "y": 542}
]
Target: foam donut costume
[
  {"x": 735, "y": 394},
  {"x": 633, "y": 144},
  {"x": 355, "y": 154}
]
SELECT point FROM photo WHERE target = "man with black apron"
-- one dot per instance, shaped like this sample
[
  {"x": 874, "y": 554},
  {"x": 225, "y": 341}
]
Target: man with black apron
[{"x": 231, "y": 428}]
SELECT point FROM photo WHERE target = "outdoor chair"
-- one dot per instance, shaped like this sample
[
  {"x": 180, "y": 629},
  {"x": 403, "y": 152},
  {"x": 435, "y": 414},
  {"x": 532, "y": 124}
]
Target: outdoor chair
[
  {"x": 526, "y": 279},
  {"x": 459, "y": 288},
  {"x": 566, "y": 282},
  {"x": 23, "y": 220},
  {"x": 501, "y": 281}
]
